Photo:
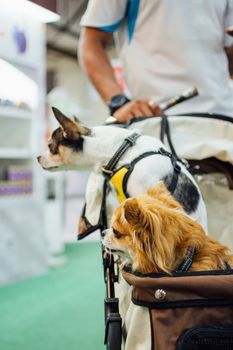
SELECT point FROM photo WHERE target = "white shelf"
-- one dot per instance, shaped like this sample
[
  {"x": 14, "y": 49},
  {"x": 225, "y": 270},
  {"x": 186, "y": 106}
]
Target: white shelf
[
  {"x": 11, "y": 112},
  {"x": 15, "y": 153},
  {"x": 16, "y": 199}
]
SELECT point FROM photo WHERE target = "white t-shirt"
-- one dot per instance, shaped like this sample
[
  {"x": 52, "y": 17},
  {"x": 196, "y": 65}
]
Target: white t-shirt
[{"x": 167, "y": 46}]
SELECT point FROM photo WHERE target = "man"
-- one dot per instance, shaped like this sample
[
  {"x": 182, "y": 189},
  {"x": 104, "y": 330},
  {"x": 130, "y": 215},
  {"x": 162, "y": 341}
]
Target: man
[{"x": 166, "y": 46}]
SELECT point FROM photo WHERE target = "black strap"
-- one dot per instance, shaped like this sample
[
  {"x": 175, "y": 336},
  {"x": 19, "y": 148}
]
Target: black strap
[
  {"x": 103, "y": 213},
  {"x": 161, "y": 151},
  {"x": 165, "y": 131},
  {"x": 186, "y": 264},
  {"x": 176, "y": 171},
  {"x": 128, "y": 142}
]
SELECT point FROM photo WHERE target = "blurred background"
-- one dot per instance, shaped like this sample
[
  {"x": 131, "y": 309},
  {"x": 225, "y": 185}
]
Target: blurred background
[{"x": 51, "y": 287}]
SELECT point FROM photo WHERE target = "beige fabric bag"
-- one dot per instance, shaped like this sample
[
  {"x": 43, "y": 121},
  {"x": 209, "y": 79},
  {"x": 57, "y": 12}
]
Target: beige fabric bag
[{"x": 194, "y": 137}]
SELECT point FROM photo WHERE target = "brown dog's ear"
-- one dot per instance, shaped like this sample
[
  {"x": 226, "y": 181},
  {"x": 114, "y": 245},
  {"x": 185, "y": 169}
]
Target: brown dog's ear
[
  {"x": 132, "y": 211},
  {"x": 160, "y": 192},
  {"x": 158, "y": 189},
  {"x": 72, "y": 129}
]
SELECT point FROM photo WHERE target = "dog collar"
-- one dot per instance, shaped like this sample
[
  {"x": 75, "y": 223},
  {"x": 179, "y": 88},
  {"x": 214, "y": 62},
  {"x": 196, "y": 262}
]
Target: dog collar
[{"x": 186, "y": 264}]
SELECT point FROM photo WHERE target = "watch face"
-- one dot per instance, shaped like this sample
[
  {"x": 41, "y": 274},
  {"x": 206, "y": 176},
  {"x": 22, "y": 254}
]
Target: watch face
[{"x": 118, "y": 100}]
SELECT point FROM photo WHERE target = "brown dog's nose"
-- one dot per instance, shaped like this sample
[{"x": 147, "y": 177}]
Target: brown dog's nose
[{"x": 38, "y": 158}]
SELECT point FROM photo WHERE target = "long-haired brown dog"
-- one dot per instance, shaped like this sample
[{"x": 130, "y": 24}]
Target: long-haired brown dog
[{"x": 153, "y": 232}]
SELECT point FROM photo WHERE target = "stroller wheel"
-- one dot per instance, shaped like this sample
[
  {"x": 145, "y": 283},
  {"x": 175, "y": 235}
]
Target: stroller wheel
[{"x": 114, "y": 336}]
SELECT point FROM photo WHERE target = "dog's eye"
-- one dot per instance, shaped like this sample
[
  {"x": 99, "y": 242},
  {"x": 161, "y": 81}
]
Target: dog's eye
[
  {"x": 116, "y": 233},
  {"x": 52, "y": 149}
]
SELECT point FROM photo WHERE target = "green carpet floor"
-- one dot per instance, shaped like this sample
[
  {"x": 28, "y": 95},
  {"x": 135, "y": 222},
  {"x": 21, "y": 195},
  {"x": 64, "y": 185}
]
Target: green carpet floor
[{"x": 63, "y": 310}]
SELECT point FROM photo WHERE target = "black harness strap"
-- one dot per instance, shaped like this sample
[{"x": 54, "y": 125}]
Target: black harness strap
[
  {"x": 108, "y": 171},
  {"x": 163, "y": 152},
  {"x": 103, "y": 213},
  {"x": 176, "y": 169},
  {"x": 129, "y": 141}
]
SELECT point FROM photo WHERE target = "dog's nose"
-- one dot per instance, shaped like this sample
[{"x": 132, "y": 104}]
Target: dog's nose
[{"x": 38, "y": 158}]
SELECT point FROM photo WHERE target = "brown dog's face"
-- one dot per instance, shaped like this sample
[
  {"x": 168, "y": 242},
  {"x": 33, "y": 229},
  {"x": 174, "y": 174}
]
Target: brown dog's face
[
  {"x": 119, "y": 239},
  {"x": 65, "y": 145},
  {"x": 139, "y": 230}
]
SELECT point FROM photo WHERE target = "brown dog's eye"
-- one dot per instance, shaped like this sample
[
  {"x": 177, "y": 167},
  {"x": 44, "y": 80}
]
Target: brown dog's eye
[
  {"x": 116, "y": 233},
  {"x": 52, "y": 148}
]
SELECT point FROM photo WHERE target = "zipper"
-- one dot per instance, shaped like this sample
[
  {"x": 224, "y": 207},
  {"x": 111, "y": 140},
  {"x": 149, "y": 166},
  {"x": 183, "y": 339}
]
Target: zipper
[
  {"x": 178, "y": 304},
  {"x": 205, "y": 336},
  {"x": 128, "y": 269}
]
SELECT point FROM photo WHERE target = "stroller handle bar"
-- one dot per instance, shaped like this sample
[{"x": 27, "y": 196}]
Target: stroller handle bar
[{"x": 184, "y": 96}]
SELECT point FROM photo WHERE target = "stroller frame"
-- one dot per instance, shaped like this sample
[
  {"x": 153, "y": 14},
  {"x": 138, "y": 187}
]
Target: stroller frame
[{"x": 113, "y": 328}]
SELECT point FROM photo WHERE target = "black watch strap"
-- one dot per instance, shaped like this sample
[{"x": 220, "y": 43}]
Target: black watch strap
[{"x": 116, "y": 102}]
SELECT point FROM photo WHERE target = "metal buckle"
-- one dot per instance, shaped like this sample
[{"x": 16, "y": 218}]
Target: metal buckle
[
  {"x": 106, "y": 171},
  {"x": 165, "y": 153}
]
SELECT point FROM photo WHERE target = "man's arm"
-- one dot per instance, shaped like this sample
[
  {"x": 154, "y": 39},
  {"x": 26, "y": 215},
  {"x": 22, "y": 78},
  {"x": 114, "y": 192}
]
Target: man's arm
[
  {"x": 229, "y": 51},
  {"x": 93, "y": 56},
  {"x": 92, "y": 46}
]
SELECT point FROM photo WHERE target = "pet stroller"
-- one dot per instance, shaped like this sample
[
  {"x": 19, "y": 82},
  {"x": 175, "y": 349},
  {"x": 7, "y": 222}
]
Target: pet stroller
[{"x": 205, "y": 142}]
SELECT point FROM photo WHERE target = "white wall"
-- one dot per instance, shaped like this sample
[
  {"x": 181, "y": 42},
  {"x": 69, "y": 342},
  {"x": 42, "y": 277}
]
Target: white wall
[{"x": 79, "y": 96}]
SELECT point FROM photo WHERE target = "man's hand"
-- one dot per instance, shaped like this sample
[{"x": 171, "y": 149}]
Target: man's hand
[
  {"x": 229, "y": 51},
  {"x": 137, "y": 108},
  {"x": 229, "y": 30}
]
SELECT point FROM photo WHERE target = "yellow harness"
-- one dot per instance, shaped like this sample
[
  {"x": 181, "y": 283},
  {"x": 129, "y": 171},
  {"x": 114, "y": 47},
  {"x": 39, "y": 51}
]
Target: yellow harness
[{"x": 117, "y": 181}]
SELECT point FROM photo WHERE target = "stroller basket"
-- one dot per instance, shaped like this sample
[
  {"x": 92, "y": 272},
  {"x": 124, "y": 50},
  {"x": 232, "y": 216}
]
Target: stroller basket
[{"x": 188, "y": 311}]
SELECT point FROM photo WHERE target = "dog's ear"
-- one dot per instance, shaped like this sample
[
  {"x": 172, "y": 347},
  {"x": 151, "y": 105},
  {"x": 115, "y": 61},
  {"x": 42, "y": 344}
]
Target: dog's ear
[
  {"x": 158, "y": 189},
  {"x": 72, "y": 129},
  {"x": 132, "y": 211},
  {"x": 83, "y": 129}
]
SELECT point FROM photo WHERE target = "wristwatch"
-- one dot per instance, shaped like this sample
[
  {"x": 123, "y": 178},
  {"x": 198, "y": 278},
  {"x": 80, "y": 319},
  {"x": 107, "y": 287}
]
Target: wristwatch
[{"x": 116, "y": 102}]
